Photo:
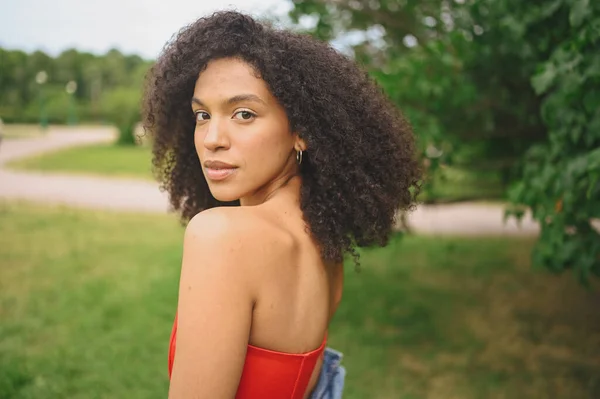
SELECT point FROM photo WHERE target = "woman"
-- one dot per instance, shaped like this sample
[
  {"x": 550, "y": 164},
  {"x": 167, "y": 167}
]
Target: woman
[{"x": 283, "y": 156}]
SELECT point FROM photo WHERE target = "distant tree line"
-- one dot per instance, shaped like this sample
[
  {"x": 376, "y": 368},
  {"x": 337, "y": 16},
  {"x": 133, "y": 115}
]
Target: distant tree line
[{"x": 72, "y": 87}]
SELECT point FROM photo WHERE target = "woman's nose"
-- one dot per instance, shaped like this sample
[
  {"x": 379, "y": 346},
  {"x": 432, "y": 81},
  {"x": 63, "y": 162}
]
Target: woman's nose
[{"x": 216, "y": 135}]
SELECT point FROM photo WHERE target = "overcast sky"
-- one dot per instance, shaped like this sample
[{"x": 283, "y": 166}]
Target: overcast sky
[{"x": 132, "y": 26}]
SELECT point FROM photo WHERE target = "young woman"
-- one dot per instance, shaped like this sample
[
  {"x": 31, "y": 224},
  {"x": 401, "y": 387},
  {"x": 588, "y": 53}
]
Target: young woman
[{"x": 283, "y": 156}]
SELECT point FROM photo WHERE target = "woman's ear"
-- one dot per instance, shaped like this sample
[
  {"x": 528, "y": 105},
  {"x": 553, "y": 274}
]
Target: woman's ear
[{"x": 299, "y": 144}]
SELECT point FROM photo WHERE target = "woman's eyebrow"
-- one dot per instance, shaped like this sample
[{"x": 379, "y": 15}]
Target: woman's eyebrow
[
  {"x": 245, "y": 97},
  {"x": 197, "y": 101},
  {"x": 235, "y": 99}
]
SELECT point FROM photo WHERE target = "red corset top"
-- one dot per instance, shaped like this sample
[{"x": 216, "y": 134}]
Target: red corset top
[{"x": 269, "y": 374}]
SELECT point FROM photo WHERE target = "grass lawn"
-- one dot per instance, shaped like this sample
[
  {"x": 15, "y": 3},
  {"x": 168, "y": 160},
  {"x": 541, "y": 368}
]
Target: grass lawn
[
  {"x": 461, "y": 184},
  {"x": 100, "y": 159},
  {"x": 87, "y": 301}
]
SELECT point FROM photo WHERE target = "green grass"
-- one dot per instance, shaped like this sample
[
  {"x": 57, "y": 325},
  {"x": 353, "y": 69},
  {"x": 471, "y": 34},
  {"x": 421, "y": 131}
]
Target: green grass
[
  {"x": 87, "y": 301},
  {"x": 453, "y": 184},
  {"x": 100, "y": 159}
]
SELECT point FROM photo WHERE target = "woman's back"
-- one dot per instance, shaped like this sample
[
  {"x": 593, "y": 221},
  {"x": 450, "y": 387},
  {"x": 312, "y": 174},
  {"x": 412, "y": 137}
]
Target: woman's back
[{"x": 298, "y": 291}]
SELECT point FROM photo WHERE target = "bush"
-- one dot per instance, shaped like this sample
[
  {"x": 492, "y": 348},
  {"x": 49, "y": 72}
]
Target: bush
[
  {"x": 561, "y": 180},
  {"x": 122, "y": 107}
]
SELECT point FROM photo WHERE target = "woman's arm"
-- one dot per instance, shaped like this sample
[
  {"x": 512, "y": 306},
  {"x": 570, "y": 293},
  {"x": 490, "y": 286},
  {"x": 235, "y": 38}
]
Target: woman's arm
[{"x": 214, "y": 310}]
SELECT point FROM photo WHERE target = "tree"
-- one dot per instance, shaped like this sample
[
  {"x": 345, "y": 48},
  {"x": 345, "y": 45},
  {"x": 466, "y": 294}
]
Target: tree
[
  {"x": 501, "y": 84},
  {"x": 440, "y": 64},
  {"x": 24, "y": 100},
  {"x": 561, "y": 179},
  {"x": 122, "y": 107}
]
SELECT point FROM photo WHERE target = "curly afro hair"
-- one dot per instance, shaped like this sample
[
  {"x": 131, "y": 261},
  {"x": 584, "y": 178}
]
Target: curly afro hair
[{"x": 360, "y": 166}]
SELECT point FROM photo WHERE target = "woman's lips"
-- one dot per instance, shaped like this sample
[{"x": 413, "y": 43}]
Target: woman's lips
[
  {"x": 218, "y": 170},
  {"x": 219, "y": 174}
]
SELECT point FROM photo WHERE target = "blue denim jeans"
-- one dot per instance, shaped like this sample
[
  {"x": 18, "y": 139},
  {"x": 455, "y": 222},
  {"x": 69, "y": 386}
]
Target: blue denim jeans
[{"x": 331, "y": 379}]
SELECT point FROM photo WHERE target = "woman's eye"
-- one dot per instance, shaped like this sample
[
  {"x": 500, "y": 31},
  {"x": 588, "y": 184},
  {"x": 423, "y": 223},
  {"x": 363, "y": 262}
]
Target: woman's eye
[
  {"x": 202, "y": 116},
  {"x": 244, "y": 115}
]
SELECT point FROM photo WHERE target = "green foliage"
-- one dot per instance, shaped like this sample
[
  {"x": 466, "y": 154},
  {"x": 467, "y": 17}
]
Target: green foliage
[
  {"x": 122, "y": 107},
  {"x": 25, "y": 100},
  {"x": 493, "y": 85},
  {"x": 442, "y": 69},
  {"x": 561, "y": 176}
]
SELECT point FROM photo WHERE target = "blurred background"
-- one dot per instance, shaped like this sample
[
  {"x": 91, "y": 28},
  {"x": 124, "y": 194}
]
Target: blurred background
[{"x": 488, "y": 290}]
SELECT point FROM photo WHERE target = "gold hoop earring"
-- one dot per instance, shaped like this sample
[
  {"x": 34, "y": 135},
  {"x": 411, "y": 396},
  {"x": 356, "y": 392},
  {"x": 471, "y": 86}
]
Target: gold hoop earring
[{"x": 299, "y": 157}]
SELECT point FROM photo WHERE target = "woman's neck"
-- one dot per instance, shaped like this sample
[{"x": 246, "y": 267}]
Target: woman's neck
[{"x": 284, "y": 186}]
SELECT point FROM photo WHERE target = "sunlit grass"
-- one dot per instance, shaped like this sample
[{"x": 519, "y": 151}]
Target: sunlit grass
[
  {"x": 100, "y": 159},
  {"x": 452, "y": 184},
  {"x": 87, "y": 301}
]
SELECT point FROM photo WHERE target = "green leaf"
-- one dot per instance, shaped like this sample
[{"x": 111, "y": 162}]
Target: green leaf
[
  {"x": 549, "y": 9},
  {"x": 576, "y": 133},
  {"x": 579, "y": 11},
  {"x": 542, "y": 81}
]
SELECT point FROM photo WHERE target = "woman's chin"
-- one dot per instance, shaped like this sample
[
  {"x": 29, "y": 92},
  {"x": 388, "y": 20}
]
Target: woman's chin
[{"x": 223, "y": 195}]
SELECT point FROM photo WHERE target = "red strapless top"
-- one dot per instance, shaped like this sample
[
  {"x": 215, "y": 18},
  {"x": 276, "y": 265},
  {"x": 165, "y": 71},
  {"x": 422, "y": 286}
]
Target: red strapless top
[{"x": 269, "y": 374}]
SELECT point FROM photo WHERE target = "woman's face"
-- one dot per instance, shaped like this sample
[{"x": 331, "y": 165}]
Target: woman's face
[{"x": 242, "y": 133}]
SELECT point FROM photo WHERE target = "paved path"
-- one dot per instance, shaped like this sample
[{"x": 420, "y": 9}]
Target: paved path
[
  {"x": 55, "y": 139},
  {"x": 74, "y": 190},
  {"x": 136, "y": 195}
]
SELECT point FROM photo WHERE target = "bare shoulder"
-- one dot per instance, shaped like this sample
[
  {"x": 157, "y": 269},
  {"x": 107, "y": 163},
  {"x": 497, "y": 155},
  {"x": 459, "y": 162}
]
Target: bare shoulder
[
  {"x": 216, "y": 298},
  {"x": 232, "y": 226},
  {"x": 215, "y": 221},
  {"x": 238, "y": 236},
  {"x": 218, "y": 234}
]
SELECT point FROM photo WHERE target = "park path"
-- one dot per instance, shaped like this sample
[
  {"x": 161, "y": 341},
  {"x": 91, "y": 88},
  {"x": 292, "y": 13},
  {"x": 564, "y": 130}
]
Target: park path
[{"x": 138, "y": 195}]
